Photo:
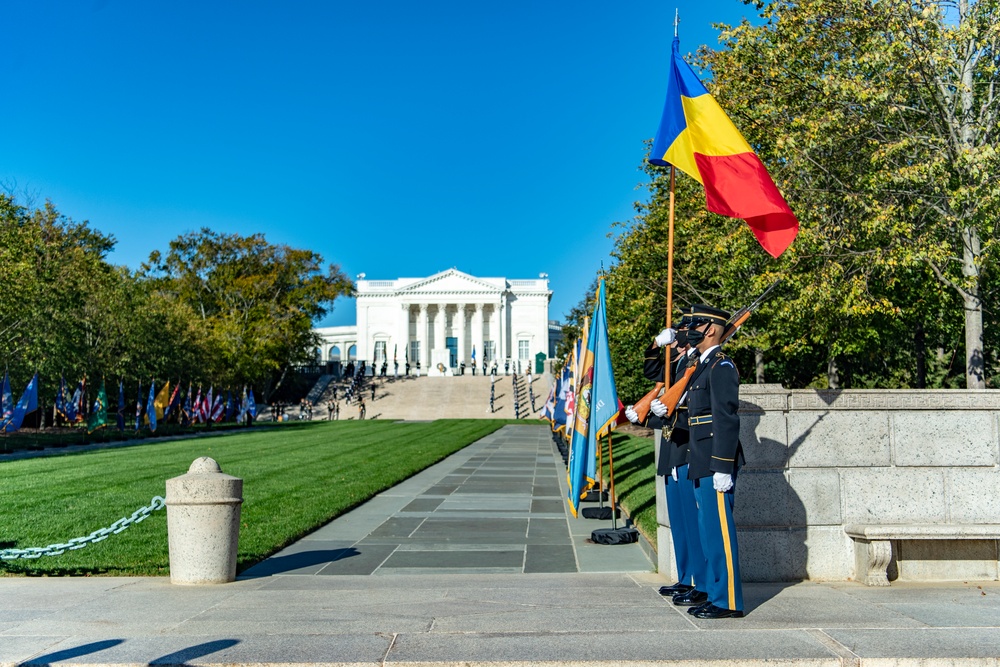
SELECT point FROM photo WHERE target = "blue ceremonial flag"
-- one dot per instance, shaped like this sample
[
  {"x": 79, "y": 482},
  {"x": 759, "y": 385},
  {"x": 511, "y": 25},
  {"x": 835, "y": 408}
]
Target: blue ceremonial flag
[
  {"x": 188, "y": 408},
  {"x": 6, "y": 402},
  {"x": 604, "y": 403},
  {"x": 473, "y": 355},
  {"x": 138, "y": 408},
  {"x": 151, "y": 406},
  {"x": 25, "y": 406},
  {"x": 251, "y": 405},
  {"x": 61, "y": 398},
  {"x": 230, "y": 406},
  {"x": 120, "y": 416},
  {"x": 175, "y": 402},
  {"x": 71, "y": 404},
  {"x": 596, "y": 405}
]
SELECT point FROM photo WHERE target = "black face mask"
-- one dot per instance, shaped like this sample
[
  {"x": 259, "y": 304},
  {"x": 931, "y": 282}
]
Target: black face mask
[
  {"x": 682, "y": 338},
  {"x": 695, "y": 337}
]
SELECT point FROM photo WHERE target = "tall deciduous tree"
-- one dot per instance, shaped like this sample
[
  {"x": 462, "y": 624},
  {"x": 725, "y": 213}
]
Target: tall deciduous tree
[
  {"x": 883, "y": 117},
  {"x": 255, "y": 301}
]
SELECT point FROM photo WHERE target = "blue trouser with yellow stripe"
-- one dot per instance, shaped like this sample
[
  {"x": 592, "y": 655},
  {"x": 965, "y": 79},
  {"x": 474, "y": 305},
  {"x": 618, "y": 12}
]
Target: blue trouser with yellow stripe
[
  {"x": 718, "y": 541},
  {"x": 683, "y": 513}
]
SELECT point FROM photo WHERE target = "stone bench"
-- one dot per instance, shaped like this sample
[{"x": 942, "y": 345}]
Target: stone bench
[{"x": 873, "y": 543}]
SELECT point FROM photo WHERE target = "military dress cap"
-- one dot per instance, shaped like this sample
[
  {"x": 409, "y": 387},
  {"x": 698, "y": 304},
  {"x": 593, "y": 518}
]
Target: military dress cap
[
  {"x": 702, "y": 314},
  {"x": 685, "y": 318}
]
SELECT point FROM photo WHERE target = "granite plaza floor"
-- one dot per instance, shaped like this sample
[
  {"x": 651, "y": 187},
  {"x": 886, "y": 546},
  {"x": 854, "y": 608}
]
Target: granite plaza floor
[
  {"x": 496, "y": 507},
  {"x": 407, "y": 579}
]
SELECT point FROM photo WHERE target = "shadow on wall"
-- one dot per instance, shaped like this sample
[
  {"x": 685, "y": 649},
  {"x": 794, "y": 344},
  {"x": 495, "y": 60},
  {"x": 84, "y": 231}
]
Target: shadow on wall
[{"x": 771, "y": 516}]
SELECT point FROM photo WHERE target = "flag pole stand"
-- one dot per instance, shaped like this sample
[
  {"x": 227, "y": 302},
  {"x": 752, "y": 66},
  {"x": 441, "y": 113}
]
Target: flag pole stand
[
  {"x": 601, "y": 512},
  {"x": 614, "y": 535}
]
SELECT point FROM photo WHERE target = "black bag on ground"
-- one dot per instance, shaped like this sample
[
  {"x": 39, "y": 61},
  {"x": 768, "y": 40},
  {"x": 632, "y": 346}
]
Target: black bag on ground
[{"x": 615, "y": 536}]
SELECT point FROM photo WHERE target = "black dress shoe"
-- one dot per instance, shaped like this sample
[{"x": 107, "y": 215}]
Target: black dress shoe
[
  {"x": 711, "y": 611},
  {"x": 692, "y": 597},
  {"x": 675, "y": 589},
  {"x": 697, "y": 608}
]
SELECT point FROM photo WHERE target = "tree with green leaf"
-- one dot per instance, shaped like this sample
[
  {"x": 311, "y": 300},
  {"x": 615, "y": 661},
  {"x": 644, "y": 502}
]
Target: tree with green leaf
[
  {"x": 255, "y": 302},
  {"x": 855, "y": 107}
]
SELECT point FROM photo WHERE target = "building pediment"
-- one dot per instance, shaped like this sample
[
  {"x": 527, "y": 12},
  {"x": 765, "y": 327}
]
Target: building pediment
[{"x": 451, "y": 281}]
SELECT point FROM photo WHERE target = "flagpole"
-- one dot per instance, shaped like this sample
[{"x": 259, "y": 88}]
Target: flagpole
[
  {"x": 670, "y": 271},
  {"x": 611, "y": 475},
  {"x": 670, "y": 248},
  {"x": 600, "y": 472}
]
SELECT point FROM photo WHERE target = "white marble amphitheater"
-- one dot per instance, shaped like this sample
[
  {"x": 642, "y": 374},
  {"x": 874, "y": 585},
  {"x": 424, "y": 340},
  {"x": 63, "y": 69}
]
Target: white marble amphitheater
[{"x": 440, "y": 322}]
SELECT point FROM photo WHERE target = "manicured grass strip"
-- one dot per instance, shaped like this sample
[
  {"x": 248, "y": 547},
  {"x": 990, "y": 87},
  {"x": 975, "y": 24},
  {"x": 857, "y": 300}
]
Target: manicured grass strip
[
  {"x": 296, "y": 478},
  {"x": 32, "y": 439},
  {"x": 635, "y": 481}
]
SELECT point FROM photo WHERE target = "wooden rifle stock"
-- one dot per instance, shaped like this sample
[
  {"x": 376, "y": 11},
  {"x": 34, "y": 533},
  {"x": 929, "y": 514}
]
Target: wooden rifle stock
[
  {"x": 670, "y": 398},
  {"x": 642, "y": 406}
]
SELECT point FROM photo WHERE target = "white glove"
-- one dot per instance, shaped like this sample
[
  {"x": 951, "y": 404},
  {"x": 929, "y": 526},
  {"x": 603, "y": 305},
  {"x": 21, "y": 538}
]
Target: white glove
[
  {"x": 722, "y": 481},
  {"x": 631, "y": 415},
  {"x": 665, "y": 337},
  {"x": 673, "y": 473},
  {"x": 658, "y": 409}
]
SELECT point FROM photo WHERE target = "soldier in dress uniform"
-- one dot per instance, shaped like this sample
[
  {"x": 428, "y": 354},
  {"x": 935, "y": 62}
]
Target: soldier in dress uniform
[
  {"x": 672, "y": 462},
  {"x": 715, "y": 455}
]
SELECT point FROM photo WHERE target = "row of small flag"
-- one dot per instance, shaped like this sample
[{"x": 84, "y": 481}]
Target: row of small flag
[
  {"x": 583, "y": 402},
  {"x": 158, "y": 406}
]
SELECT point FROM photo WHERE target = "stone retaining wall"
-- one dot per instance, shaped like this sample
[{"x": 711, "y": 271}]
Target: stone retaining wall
[{"x": 817, "y": 460}]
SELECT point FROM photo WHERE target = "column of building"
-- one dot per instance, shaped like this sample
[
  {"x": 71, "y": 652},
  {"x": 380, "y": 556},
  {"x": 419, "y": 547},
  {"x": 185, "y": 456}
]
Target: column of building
[
  {"x": 495, "y": 332},
  {"x": 422, "y": 337},
  {"x": 460, "y": 334},
  {"x": 403, "y": 337},
  {"x": 477, "y": 333},
  {"x": 439, "y": 328}
]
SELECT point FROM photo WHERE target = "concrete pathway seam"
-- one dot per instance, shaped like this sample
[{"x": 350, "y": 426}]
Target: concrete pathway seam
[{"x": 847, "y": 657}]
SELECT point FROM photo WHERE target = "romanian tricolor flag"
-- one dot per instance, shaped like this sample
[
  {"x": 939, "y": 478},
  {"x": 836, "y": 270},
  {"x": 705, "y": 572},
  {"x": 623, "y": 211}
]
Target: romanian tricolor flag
[{"x": 697, "y": 137}]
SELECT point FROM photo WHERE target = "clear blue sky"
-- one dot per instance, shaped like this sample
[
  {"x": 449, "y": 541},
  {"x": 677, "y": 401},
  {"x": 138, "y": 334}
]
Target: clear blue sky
[{"x": 394, "y": 138}]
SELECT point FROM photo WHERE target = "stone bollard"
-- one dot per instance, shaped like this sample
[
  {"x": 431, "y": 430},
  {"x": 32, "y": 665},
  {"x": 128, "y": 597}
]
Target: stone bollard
[{"x": 203, "y": 524}]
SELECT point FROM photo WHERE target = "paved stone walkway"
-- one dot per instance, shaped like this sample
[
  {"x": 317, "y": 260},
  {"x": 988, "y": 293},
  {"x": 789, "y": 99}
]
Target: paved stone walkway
[
  {"x": 417, "y": 611},
  {"x": 496, "y": 507}
]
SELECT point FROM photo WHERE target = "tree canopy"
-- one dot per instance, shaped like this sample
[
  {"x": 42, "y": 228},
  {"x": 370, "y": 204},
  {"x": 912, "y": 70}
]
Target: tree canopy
[
  {"x": 878, "y": 121},
  {"x": 214, "y": 308}
]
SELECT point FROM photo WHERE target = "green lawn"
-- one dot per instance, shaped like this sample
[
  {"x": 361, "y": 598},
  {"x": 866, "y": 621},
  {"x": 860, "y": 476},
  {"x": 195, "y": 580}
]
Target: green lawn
[{"x": 296, "y": 477}]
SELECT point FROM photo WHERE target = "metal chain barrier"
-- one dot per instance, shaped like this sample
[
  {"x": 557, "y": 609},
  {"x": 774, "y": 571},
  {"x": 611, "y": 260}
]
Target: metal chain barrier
[{"x": 80, "y": 542}]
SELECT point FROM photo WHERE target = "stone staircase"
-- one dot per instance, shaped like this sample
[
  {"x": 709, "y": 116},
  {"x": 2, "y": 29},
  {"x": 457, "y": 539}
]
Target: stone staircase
[
  {"x": 459, "y": 397},
  {"x": 319, "y": 389}
]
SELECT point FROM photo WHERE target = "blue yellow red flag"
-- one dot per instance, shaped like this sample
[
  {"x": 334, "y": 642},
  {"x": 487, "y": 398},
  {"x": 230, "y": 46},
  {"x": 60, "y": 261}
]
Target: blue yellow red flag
[{"x": 697, "y": 137}]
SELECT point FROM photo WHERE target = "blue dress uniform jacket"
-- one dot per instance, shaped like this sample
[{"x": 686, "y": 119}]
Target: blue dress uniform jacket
[{"x": 713, "y": 400}]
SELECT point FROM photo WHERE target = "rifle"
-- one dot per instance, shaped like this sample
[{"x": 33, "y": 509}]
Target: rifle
[{"x": 673, "y": 394}]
